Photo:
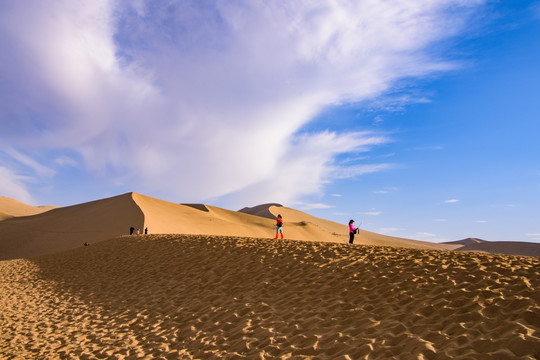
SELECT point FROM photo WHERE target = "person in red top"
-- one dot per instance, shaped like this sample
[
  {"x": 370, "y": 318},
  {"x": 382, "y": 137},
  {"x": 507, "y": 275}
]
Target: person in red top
[{"x": 279, "y": 226}]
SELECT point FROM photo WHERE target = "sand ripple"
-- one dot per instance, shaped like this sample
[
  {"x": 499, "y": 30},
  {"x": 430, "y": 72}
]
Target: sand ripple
[{"x": 193, "y": 297}]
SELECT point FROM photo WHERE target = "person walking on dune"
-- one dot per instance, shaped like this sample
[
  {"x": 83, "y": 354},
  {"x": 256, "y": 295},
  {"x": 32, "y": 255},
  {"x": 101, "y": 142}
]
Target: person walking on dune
[
  {"x": 279, "y": 226},
  {"x": 352, "y": 231}
]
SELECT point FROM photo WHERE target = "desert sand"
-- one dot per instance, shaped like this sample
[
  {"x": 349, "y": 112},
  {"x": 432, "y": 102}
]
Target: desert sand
[{"x": 215, "y": 297}]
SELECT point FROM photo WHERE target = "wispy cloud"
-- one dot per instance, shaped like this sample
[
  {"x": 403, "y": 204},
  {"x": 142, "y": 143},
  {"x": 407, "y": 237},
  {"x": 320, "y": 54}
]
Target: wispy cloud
[
  {"x": 389, "y": 230},
  {"x": 209, "y": 99},
  {"x": 65, "y": 161},
  {"x": 424, "y": 235},
  {"x": 29, "y": 162},
  {"x": 451, "y": 201},
  {"x": 533, "y": 236},
  {"x": 13, "y": 186},
  {"x": 372, "y": 213},
  {"x": 386, "y": 190},
  {"x": 308, "y": 206}
]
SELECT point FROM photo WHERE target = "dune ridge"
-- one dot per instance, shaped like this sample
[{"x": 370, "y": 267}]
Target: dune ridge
[{"x": 213, "y": 297}]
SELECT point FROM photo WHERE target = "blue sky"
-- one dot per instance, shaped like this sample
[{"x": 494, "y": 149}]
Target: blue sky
[{"x": 420, "y": 119}]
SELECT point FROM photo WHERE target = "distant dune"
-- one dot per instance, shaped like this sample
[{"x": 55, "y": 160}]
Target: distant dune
[
  {"x": 10, "y": 208},
  {"x": 221, "y": 297},
  {"x": 497, "y": 247},
  {"x": 261, "y": 210},
  {"x": 505, "y": 247},
  {"x": 467, "y": 241}
]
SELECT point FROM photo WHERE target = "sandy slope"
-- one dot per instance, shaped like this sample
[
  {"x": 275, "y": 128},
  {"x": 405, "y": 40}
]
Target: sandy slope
[
  {"x": 68, "y": 227},
  {"x": 164, "y": 217},
  {"x": 340, "y": 232},
  {"x": 10, "y": 208},
  {"x": 207, "y": 297}
]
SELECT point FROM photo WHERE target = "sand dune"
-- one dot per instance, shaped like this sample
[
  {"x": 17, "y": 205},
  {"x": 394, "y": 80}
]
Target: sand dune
[
  {"x": 467, "y": 241},
  {"x": 68, "y": 227},
  {"x": 10, "y": 208},
  {"x": 210, "y": 297},
  {"x": 164, "y": 217},
  {"x": 261, "y": 210}
]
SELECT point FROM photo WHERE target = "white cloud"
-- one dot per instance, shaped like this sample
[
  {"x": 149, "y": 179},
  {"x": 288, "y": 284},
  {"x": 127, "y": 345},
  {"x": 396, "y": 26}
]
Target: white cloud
[
  {"x": 451, "y": 201},
  {"x": 205, "y": 101},
  {"x": 389, "y": 230},
  {"x": 308, "y": 206},
  {"x": 386, "y": 190},
  {"x": 533, "y": 236},
  {"x": 427, "y": 236},
  {"x": 65, "y": 161},
  {"x": 13, "y": 186},
  {"x": 480, "y": 221},
  {"x": 372, "y": 213},
  {"x": 27, "y": 161},
  {"x": 424, "y": 235},
  {"x": 336, "y": 195}
]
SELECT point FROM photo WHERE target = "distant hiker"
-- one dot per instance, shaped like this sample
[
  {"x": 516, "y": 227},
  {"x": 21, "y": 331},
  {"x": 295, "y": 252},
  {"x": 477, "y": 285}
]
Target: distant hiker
[
  {"x": 352, "y": 231},
  {"x": 86, "y": 244},
  {"x": 138, "y": 231},
  {"x": 145, "y": 231},
  {"x": 279, "y": 226},
  {"x": 131, "y": 230}
]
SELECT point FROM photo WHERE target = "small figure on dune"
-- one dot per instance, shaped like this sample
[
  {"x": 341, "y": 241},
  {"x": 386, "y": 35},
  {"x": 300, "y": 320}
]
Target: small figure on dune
[
  {"x": 138, "y": 231},
  {"x": 145, "y": 231},
  {"x": 86, "y": 244},
  {"x": 131, "y": 230},
  {"x": 352, "y": 230},
  {"x": 279, "y": 226}
]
